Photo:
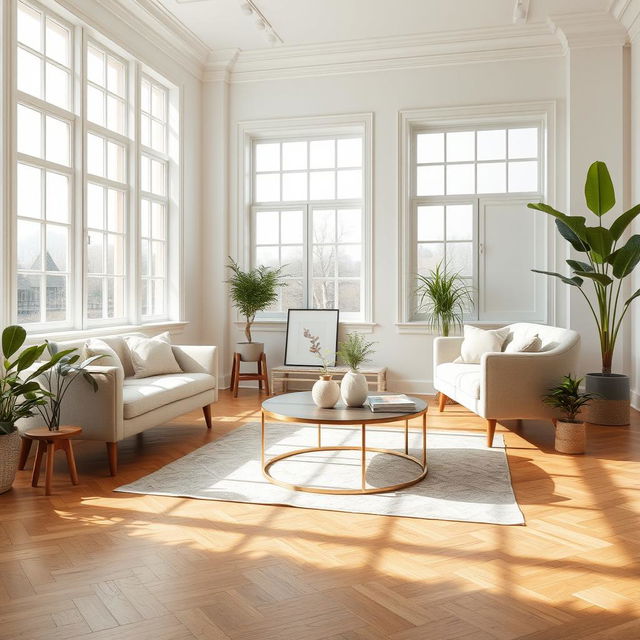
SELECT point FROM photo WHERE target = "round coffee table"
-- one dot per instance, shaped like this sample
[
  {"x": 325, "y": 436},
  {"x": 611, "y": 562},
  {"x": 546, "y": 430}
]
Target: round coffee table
[{"x": 300, "y": 408}]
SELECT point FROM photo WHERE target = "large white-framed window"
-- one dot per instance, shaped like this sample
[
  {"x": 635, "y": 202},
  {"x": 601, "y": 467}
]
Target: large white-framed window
[
  {"x": 467, "y": 176},
  {"x": 307, "y": 191},
  {"x": 95, "y": 189}
]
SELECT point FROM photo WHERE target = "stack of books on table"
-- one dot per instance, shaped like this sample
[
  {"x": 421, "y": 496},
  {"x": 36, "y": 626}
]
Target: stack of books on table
[{"x": 391, "y": 403}]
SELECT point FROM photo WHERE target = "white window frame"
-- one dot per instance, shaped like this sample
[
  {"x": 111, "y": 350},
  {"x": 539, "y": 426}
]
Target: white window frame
[
  {"x": 289, "y": 129},
  {"x": 411, "y": 122},
  {"x": 77, "y": 292}
]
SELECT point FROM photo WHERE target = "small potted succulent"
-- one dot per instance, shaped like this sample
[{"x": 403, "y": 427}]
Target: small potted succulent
[
  {"x": 570, "y": 430},
  {"x": 251, "y": 292},
  {"x": 325, "y": 392},
  {"x": 353, "y": 352},
  {"x": 20, "y": 396}
]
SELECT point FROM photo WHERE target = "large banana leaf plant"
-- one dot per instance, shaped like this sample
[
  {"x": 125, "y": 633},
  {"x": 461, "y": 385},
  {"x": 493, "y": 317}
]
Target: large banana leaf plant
[{"x": 607, "y": 263}]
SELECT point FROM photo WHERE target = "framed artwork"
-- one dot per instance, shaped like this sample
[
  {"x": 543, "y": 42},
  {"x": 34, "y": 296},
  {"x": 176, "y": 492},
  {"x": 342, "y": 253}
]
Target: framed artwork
[{"x": 320, "y": 323}]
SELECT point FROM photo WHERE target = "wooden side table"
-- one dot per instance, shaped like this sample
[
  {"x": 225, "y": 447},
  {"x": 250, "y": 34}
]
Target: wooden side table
[
  {"x": 262, "y": 376},
  {"x": 48, "y": 443}
]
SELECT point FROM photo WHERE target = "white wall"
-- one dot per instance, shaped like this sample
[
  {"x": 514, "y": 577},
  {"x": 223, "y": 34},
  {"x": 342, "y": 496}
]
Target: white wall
[
  {"x": 635, "y": 198},
  {"x": 385, "y": 93}
]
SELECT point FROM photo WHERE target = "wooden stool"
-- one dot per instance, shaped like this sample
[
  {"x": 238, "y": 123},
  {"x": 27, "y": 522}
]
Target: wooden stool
[
  {"x": 262, "y": 376},
  {"x": 48, "y": 443}
]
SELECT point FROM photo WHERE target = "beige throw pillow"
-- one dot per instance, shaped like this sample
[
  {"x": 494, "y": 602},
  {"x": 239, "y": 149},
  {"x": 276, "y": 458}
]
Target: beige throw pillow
[
  {"x": 97, "y": 347},
  {"x": 528, "y": 344},
  {"x": 152, "y": 356},
  {"x": 478, "y": 341}
]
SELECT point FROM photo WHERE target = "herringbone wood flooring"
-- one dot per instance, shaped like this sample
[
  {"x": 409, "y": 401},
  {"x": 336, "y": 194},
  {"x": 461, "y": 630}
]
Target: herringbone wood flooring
[{"x": 89, "y": 563}]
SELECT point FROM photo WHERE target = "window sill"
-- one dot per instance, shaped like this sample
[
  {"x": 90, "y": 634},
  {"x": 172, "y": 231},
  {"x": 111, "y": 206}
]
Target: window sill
[
  {"x": 280, "y": 326},
  {"x": 422, "y": 328},
  {"x": 152, "y": 328}
]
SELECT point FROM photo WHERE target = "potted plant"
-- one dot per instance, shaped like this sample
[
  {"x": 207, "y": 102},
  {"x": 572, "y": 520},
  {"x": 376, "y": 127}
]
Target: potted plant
[
  {"x": 325, "y": 392},
  {"x": 570, "y": 431},
  {"x": 608, "y": 263},
  {"x": 59, "y": 378},
  {"x": 20, "y": 396},
  {"x": 252, "y": 291},
  {"x": 443, "y": 296},
  {"x": 353, "y": 352}
]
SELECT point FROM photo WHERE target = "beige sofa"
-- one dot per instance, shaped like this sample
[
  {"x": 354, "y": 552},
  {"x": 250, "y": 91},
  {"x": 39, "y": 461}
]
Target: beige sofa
[
  {"x": 506, "y": 386},
  {"x": 123, "y": 407}
]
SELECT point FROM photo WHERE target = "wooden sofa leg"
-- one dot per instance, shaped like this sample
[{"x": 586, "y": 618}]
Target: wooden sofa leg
[
  {"x": 442, "y": 401},
  {"x": 112, "y": 452},
  {"x": 25, "y": 447},
  {"x": 207, "y": 415},
  {"x": 491, "y": 429}
]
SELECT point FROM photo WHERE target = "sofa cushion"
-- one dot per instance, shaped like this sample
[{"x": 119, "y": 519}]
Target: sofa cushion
[
  {"x": 464, "y": 377},
  {"x": 480, "y": 341},
  {"x": 98, "y": 347},
  {"x": 140, "y": 395},
  {"x": 152, "y": 356}
]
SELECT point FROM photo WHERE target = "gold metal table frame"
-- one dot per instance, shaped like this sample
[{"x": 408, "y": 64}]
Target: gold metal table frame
[{"x": 300, "y": 411}]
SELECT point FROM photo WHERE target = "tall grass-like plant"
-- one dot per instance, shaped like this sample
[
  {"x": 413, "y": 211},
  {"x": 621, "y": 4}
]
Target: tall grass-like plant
[
  {"x": 355, "y": 350},
  {"x": 443, "y": 296},
  {"x": 567, "y": 397},
  {"x": 253, "y": 291}
]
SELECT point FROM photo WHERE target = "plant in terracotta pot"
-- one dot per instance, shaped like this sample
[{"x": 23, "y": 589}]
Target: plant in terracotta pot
[
  {"x": 325, "y": 392},
  {"x": 20, "y": 396},
  {"x": 251, "y": 292},
  {"x": 354, "y": 351},
  {"x": 609, "y": 260},
  {"x": 570, "y": 430}
]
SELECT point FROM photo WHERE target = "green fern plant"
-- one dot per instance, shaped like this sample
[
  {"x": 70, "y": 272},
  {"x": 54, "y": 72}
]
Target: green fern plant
[
  {"x": 443, "y": 296},
  {"x": 253, "y": 291},
  {"x": 566, "y": 396},
  {"x": 355, "y": 350}
]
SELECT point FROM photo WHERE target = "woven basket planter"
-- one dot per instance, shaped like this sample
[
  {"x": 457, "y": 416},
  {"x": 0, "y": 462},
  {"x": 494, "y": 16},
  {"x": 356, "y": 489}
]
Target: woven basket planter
[
  {"x": 570, "y": 437},
  {"x": 9, "y": 456}
]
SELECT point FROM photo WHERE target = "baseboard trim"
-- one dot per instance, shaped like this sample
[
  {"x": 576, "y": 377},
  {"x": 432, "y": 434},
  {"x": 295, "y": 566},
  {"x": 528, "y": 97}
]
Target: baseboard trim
[{"x": 398, "y": 385}]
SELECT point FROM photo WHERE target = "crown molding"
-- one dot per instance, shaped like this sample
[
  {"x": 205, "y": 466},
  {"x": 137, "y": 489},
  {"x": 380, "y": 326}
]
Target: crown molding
[
  {"x": 628, "y": 13},
  {"x": 219, "y": 64},
  {"x": 156, "y": 25},
  {"x": 587, "y": 30},
  {"x": 398, "y": 52}
]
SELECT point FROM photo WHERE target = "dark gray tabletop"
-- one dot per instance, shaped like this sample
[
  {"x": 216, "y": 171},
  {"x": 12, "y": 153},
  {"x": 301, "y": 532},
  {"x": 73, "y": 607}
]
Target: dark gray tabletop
[{"x": 300, "y": 407}]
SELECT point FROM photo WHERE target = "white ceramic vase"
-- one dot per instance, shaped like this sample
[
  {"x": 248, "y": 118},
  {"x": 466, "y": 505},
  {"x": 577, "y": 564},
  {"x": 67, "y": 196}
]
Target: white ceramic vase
[
  {"x": 325, "y": 392},
  {"x": 354, "y": 389}
]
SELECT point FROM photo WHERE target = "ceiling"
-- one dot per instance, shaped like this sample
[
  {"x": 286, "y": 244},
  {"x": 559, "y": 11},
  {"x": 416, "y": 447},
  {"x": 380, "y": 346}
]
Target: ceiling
[{"x": 220, "y": 24}]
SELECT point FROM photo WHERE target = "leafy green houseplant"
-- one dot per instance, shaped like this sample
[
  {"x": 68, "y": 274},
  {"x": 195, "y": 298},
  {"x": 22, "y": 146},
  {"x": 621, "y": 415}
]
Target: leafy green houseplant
[
  {"x": 567, "y": 397},
  {"x": 20, "y": 396},
  {"x": 251, "y": 292},
  {"x": 354, "y": 351},
  {"x": 443, "y": 296},
  {"x": 59, "y": 378},
  {"x": 607, "y": 262}
]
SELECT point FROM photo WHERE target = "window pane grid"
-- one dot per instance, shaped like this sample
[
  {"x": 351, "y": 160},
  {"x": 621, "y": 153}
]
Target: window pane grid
[
  {"x": 323, "y": 176},
  {"x": 492, "y": 160}
]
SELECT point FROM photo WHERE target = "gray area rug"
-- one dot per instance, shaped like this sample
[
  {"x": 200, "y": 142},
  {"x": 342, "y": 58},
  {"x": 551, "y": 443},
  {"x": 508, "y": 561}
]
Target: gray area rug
[{"x": 466, "y": 481}]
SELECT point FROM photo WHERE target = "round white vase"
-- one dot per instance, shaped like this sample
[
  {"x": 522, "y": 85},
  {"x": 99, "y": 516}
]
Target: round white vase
[
  {"x": 354, "y": 389},
  {"x": 325, "y": 392}
]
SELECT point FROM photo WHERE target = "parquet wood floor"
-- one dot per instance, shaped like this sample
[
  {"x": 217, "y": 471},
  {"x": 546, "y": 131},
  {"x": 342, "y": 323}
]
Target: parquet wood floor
[{"x": 90, "y": 564}]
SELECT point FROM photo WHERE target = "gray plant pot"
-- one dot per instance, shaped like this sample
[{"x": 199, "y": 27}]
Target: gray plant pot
[
  {"x": 249, "y": 351},
  {"x": 9, "y": 457},
  {"x": 613, "y": 406}
]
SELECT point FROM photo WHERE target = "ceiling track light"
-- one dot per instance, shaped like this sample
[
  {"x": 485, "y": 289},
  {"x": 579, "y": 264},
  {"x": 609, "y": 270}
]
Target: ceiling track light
[
  {"x": 249, "y": 8},
  {"x": 520, "y": 11}
]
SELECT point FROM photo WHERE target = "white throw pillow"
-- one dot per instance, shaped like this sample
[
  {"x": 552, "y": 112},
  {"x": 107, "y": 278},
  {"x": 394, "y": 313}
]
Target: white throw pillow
[
  {"x": 478, "y": 341},
  {"x": 528, "y": 344},
  {"x": 97, "y": 347},
  {"x": 152, "y": 356}
]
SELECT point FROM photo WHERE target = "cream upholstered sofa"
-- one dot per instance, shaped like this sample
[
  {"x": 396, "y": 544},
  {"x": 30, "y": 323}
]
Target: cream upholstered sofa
[
  {"x": 125, "y": 406},
  {"x": 506, "y": 386}
]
